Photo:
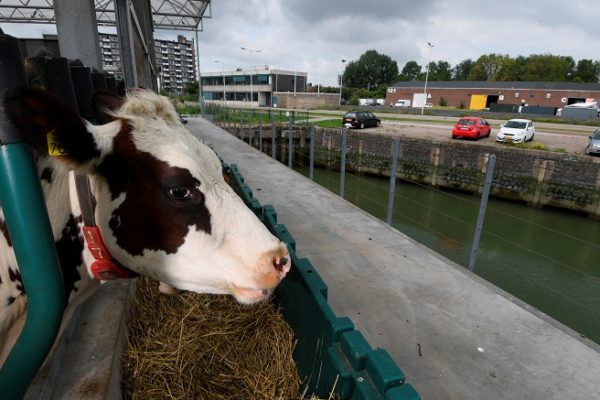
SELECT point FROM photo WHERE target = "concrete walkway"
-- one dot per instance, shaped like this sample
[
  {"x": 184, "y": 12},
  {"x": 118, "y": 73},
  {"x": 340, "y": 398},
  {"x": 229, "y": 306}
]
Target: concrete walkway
[{"x": 454, "y": 335}]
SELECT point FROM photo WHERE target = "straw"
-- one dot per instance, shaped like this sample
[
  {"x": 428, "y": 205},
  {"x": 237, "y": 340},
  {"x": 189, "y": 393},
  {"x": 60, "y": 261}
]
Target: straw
[{"x": 194, "y": 346}]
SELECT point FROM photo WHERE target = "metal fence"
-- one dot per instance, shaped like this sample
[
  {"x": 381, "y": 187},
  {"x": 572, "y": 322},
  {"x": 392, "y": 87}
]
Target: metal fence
[{"x": 341, "y": 159}]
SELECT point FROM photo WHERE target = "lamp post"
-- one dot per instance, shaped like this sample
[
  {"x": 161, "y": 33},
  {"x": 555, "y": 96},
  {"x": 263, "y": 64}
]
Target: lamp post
[
  {"x": 341, "y": 81},
  {"x": 223, "y": 77},
  {"x": 426, "y": 77},
  {"x": 251, "y": 52}
]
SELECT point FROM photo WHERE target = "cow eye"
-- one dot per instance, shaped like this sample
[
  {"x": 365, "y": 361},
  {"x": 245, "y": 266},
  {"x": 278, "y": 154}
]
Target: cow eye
[{"x": 180, "y": 193}]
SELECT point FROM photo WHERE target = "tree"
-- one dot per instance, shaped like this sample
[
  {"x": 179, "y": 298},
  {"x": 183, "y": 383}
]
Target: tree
[
  {"x": 191, "y": 87},
  {"x": 515, "y": 69},
  {"x": 548, "y": 67},
  {"x": 490, "y": 67},
  {"x": 587, "y": 71},
  {"x": 462, "y": 70},
  {"x": 370, "y": 71},
  {"x": 410, "y": 72},
  {"x": 441, "y": 72}
]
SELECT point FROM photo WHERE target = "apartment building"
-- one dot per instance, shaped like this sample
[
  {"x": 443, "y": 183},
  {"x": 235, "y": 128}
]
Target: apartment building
[{"x": 175, "y": 60}]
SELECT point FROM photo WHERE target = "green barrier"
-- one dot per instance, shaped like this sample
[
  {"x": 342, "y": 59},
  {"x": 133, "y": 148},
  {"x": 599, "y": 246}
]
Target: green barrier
[
  {"x": 30, "y": 232},
  {"x": 330, "y": 354},
  {"x": 31, "y": 235}
]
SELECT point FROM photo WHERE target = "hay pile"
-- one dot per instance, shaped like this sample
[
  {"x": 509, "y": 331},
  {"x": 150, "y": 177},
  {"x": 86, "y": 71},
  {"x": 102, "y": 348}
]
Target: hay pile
[{"x": 194, "y": 346}]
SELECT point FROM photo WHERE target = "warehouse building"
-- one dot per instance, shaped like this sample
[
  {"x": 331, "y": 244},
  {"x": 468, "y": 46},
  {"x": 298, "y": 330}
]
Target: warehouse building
[{"x": 493, "y": 95}]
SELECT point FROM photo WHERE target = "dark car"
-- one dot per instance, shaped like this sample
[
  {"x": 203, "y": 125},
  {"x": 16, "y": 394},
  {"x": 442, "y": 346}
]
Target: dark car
[
  {"x": 593, "y": 146},
  {"x": 471, "y": 127},
  {"x": 360, "y": 119}
]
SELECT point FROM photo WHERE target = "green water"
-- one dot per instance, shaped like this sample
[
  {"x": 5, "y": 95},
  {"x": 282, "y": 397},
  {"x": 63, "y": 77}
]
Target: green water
[{"x": 547, "y": 258}]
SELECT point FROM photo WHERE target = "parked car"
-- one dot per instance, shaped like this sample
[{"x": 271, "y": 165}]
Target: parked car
[
  {"x": 401, "y": 103},
  {"x": 516, "y": 131},
  {"x": 360, "y": 119},
  {"x": 593, "y": 146},
  {"x": 471, "y": 127}
]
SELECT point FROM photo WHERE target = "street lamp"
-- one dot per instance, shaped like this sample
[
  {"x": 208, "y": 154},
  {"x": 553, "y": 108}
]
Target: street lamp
[
  {"x": 251, "y": 51},
  {"x": 341, "y": 81},
  {"x": 426, "y": 77},
  {"x": 223, "y": 77}
]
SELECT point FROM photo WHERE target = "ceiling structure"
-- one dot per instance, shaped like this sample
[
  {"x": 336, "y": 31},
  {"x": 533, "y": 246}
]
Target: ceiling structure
[{"x": 166, "y": 14}]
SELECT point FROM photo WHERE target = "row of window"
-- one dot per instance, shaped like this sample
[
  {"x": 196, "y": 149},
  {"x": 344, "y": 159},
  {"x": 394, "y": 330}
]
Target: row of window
[
  {"x": 236, "y": 80},
  {"x": 230, "y": 96}
]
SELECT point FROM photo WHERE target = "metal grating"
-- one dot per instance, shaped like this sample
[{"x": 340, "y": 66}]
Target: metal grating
[{"x": 166, "y": 14}]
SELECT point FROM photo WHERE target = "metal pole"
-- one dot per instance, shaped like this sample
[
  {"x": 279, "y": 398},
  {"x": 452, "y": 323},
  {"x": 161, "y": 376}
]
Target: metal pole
[
  {"x": 426, "y": 77},
  {"x": 260, "y": 132},
  {"x": 311, "y": 168},
  {"x": 482, "y": 207},
  {"x": 291, "y": 140},
  {"x": 199, "y": 73},
  {"x": 343, "y": 162},
  {"x": 26, "y": 218},
  {"x": 390, "y": 207},
  {"x": 250, "y": 132},
  {"x": 273, "y": 132}
]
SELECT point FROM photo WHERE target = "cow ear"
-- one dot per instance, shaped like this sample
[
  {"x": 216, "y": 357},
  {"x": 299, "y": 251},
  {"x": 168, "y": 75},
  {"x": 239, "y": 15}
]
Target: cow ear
[
  {"x": 50, "y": 126},
  {"x": 105, "y": 104}
]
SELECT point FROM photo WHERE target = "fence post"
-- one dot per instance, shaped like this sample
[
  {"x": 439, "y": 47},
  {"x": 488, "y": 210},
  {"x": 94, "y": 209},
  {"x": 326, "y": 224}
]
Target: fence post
[
  {"x": 291, "y": 140},
  {"x": 260, "y": 132},
  {"x": 343, "y": 162},
  {"x": 311, "y": 152},
  {"x": 250, "y": 131},
  {"x": 273, "y": 141},
  {"x": 392, "y": 193},
  {"x": 482, "y": 207}
]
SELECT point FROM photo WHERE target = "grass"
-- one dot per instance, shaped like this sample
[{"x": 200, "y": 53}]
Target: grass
[
  {"x": 188, "y": 110},
  {"x": 329, "y": 123}
]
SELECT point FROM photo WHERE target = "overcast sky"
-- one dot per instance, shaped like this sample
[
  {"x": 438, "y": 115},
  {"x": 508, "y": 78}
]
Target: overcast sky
[{"x": 313, "y": 36}]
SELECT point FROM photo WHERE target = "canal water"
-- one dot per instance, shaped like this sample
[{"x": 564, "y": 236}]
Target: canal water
[{"x": 547, "y": 258}]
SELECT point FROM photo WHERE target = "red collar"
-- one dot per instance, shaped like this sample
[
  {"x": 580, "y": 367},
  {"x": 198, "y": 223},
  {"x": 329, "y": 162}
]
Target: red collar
[{"x": 105, "y": 267}]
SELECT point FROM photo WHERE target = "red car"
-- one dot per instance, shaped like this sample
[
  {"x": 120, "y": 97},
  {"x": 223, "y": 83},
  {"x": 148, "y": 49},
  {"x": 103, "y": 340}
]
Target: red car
[{"x": 471, "y": 127}]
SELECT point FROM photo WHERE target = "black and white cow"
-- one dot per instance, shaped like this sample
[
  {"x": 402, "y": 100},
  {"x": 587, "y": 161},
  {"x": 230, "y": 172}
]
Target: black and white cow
[{"x": 162, "y": 205}]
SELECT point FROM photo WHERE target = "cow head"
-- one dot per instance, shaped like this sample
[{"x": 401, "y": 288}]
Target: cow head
[{"x": 163, "y": 206}]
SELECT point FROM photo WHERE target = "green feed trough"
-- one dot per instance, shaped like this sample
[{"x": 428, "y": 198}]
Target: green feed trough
[{"x": 330, "y": 354}]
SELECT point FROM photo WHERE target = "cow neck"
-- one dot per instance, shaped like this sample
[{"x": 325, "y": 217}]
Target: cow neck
[{"x": 105, "y": 267}]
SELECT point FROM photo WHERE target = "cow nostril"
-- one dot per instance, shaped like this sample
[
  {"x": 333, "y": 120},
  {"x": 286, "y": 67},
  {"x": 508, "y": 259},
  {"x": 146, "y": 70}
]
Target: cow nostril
[{"x": 280, "y": 263}]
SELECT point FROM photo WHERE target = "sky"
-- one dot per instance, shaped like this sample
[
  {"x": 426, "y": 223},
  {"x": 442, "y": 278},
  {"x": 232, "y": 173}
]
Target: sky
[{"x": 314, "y": 36}]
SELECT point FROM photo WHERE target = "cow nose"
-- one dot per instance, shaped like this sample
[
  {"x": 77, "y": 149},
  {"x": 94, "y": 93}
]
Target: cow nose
[{"x": 282, "y": 263}]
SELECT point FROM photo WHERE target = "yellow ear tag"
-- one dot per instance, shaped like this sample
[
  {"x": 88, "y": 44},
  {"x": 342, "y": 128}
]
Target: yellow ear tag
[{"x": 55, "y": 148}]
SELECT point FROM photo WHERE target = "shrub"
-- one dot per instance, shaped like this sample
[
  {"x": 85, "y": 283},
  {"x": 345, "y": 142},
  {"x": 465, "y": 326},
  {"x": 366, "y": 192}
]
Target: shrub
[
  {"x": 462, "y": 104},
  {"x": 443, "y": 102}
]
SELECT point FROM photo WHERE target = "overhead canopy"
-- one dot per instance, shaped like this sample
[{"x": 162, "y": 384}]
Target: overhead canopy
[{"x": 166, "y": 14}]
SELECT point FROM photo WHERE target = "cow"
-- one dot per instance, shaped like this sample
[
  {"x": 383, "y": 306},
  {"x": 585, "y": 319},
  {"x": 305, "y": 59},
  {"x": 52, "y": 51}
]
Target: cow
[{"x": 162, "y": 206}]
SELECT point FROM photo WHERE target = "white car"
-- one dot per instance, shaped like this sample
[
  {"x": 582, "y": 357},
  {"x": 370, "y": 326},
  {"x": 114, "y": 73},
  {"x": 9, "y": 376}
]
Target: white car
[{"x": 516, "y": 131}]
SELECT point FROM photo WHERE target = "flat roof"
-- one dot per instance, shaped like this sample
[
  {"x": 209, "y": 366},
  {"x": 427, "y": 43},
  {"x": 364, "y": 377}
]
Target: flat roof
[
  {"x": 262, "y": 69},
  {"x": 531, "y": 85}
]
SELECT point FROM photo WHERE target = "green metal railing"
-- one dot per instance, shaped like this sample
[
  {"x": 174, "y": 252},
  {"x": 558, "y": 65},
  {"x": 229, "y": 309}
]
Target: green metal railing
[
  {"x": 332, "y": 357},
  {"x": 30, "y": 232}
]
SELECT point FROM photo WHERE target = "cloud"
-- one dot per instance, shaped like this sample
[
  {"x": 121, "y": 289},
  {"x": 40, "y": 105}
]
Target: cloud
[{"x": 313, "y": 37}]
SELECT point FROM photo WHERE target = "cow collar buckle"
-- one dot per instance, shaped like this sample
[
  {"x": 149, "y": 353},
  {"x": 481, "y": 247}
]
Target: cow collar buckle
[{"x": 105, "y": 267}]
